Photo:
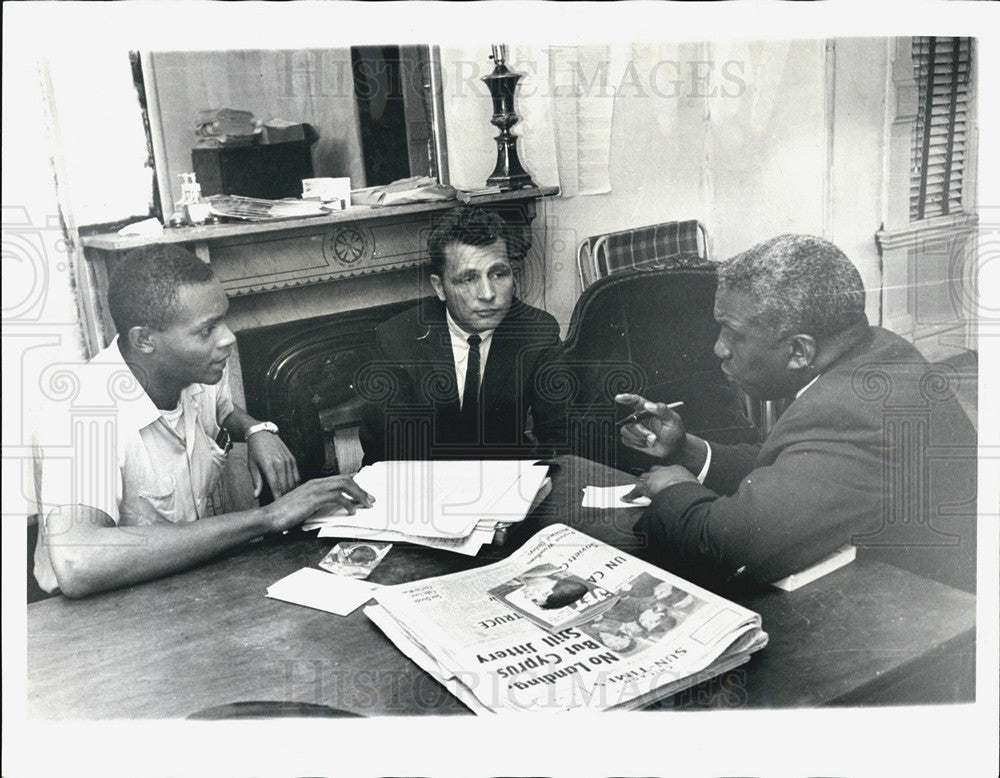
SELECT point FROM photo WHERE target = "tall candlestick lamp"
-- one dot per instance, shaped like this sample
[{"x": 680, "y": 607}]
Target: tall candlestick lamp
[{"x": 508, "y": 174}]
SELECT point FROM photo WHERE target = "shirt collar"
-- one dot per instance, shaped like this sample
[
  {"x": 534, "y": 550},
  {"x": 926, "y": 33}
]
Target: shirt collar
[
  {"x": 460, "y": 334},
  {"x": 799, "y": 393},
  {"x": 134, "y": 406}
]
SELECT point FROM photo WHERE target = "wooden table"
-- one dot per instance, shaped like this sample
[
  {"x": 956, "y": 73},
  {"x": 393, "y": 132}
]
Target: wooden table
[{"x": 866, "y": 634}]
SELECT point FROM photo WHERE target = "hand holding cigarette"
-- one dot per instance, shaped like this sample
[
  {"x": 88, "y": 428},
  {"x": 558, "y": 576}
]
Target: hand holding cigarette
[
  {"x": 653, "y": 428},
  {"x": 640, "y": 416}
]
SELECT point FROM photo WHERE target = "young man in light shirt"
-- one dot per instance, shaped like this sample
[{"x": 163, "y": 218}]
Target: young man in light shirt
[{"x": 127, "y": 461}]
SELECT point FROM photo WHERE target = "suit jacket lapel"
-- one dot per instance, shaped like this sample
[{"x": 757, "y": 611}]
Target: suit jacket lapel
[{"x": 437, "y": 348}]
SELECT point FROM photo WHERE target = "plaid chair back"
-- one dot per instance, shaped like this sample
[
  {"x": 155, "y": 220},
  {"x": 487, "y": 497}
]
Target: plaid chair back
[{"x": 655, "y": 247}]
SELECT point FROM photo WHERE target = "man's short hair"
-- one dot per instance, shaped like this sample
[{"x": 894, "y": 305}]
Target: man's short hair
[
  {"x": 142, "y": 290},
  {"x": 471, "y": 226},
  {"x": 798, "y": 284}
]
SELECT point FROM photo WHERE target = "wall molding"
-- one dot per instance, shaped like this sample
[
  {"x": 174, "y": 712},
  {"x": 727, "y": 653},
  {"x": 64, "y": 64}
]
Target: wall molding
[{"x": 916, "y": 233}]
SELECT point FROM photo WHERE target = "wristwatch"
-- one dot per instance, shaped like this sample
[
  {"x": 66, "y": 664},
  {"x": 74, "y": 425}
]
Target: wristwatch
[{"x": 264, "y": 426}]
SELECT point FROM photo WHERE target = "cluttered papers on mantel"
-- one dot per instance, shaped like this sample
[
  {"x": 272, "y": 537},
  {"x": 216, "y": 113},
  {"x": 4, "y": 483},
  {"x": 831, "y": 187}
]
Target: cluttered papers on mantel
[{"x": 452, "y": 505}]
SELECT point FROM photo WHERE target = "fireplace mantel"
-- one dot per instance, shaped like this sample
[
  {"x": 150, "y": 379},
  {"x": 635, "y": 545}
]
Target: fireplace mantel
[{"x": 255, "y": 258}]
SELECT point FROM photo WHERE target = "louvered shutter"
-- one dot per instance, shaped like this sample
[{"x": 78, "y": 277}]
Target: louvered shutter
[{"x": 942, "y": 69}]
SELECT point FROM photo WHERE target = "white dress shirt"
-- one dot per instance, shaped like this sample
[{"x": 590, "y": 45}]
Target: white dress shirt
[{"x": 460, "y": 352}]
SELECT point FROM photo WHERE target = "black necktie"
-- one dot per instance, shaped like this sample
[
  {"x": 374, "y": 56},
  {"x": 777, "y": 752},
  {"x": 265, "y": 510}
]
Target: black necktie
[{"x": 470, "y": 395}]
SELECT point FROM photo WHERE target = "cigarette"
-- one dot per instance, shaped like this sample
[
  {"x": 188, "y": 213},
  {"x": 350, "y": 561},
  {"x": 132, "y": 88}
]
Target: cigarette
[{"x": 635, "y": 418}]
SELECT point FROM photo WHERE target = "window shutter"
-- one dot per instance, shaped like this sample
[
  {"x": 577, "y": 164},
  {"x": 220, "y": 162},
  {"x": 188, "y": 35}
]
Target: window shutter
[{"x": 942, "y": 67}]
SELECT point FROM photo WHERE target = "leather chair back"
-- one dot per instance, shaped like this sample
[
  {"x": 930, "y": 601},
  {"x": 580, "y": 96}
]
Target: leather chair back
[{"x": 652, "y": 333}]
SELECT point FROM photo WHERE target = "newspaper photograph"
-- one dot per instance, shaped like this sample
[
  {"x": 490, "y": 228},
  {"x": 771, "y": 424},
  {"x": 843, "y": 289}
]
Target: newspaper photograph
[{"x": 553, "y": 598}]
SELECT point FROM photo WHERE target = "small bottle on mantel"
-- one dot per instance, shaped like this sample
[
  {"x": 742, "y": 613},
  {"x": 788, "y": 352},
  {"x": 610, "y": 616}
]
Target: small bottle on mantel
[{"x": 191, "y": 209}]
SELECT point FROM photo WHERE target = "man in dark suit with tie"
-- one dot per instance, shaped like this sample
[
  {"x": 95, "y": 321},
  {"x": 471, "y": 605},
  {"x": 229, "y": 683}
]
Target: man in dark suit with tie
[
  {"x": 463, "y": 374},
  {"x": 874, "y": 450}
]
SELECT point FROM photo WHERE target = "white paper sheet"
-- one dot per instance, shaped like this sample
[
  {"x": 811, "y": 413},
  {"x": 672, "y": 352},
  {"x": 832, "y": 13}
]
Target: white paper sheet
[
  {"x": 584, "y": 80},
  {"x": 441, "y": 498},
  {"x": 842, "y": 556},
  {"x": 323, "y": 591},
  {"x": 607, "y": 497}
]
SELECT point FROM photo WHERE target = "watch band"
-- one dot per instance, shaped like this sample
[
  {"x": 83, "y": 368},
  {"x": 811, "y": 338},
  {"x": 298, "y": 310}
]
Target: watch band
[{"x": 264, "y": 426}]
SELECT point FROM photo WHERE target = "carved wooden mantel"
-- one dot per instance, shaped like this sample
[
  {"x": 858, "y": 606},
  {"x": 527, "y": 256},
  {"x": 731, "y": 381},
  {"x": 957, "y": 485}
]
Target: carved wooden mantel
[{"x": 254, "y": 258}]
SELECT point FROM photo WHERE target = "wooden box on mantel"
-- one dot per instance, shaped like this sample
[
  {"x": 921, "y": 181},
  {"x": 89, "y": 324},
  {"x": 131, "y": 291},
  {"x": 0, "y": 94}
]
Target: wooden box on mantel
[{"x": 266, "y": 170}]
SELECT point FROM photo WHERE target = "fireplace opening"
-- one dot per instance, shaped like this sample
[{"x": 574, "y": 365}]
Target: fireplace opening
[{"x": 300, "y": 375}]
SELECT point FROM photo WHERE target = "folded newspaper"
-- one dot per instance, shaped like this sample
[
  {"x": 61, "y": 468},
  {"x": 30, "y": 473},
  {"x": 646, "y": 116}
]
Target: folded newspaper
[{"x": 660, "y": 635}]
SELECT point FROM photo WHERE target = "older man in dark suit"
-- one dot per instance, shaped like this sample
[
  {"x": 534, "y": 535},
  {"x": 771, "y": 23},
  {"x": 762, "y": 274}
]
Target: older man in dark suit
[
  {"x": 874, "y": 449},
  {"x": 462, "y": 375}
]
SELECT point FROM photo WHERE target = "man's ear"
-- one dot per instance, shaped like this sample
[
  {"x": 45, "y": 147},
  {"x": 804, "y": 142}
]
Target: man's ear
[
  {"x": 802, "y": 352},
  {"x": 438, "y": 286},
  {"x": 141, "y": 339}
]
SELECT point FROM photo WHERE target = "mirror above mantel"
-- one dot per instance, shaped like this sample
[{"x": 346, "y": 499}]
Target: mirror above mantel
[
  {"x": 282, "y": 270},
  {"x": 377, "y": 109}
]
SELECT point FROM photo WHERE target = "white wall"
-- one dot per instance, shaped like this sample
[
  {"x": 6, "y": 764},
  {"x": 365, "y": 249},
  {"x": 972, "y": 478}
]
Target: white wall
[
  {"x": 860, "y": 156},
  {"x": 78, "y": 122},
  {"x": 739, "y": 135},
  {"x": 41, "y": 327}
]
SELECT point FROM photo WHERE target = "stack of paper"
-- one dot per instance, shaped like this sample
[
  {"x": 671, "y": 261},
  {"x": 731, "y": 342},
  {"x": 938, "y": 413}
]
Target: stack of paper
[
  {"x": 418, "y": 189},
  {"x": 453, "y": 505},
  {"x": 257, "y": 209},
  {"x": 226, "y": 126}
]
